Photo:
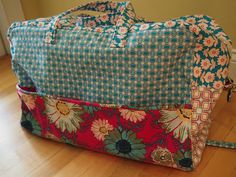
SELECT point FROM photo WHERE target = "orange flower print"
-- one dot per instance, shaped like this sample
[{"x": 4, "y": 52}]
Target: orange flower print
[
  {"x": 110, "y": 30},
  {"x": 191, "y": 20},
  {"x": 120, "y": 22},
  {"x": 113, "y": 5},
  {"x": 197, "y": 71},
  {"x": 218, "y": 84},
  {"x": 214, "y": 52},
  {"x": 222, "y": 45},
  {"x": 213, "y": 64},
  {"x": 99, "y": 30},
  {"x": 91, "y": 23},
  {"x": 209, "y": 41},
  {"x": 197, "y": 58},
  {"x": 101, "y": 8},
  {"x": 225, "y": 72},
  {"x": 214, "y": 25},
  {"x": 144, "y": 27},
  {"x": 205, "y": 52},
  {"x": 40, "y": 24},
  {"x": 209, "y": 77},
  {"x": 181, "y": 23},
  {"x": 205, "y": 64},
  {"x": 130, "y": 21},
  {"x": 219, "y": 73},
  {"x": 78, "y": 28},
  {"x": 48, "y": 39},
  {"x": 100, "y": 128},
  {"x": 222, "y": 37},
  {"x": 122, "y": 30},
  {"x": 199, "y": 37},
  {"x": 170, "y": 23},
  {"x": 222, "y": 60},
  {"x": 203, "y": 20},
  {"x": 132, "y": 116},
  {"x": 203, "y": 25},
  {"x": 104, "y": 18},
  {"x": 198, "y": 47},
  {"x": 195, "y": 29}
]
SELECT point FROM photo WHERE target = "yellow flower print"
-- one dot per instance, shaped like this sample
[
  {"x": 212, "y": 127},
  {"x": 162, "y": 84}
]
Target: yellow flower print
[
  {"x": 132, "y": 115},
  {"x": 66, "y": 116},
  {"x": 178, "y": 121},
  {"x": 100, "y": 128}
]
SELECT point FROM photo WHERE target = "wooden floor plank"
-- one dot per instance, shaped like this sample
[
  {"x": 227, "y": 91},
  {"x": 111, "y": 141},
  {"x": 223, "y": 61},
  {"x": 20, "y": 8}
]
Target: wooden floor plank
[{"x": 224, "y": 161}]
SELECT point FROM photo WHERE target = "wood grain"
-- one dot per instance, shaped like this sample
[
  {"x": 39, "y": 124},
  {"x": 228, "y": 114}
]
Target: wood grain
[{"x": 23, "y": 154}]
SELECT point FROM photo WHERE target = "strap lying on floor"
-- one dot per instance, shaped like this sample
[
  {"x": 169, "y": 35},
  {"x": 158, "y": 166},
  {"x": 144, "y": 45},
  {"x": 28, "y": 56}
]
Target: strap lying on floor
[
  {"x": 229, "y": 85},
  {"x": 222, "y": 144}
]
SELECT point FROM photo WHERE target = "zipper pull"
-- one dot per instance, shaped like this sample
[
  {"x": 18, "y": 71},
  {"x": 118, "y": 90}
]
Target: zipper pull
[
  {"x": 229, "y": 85},
  {"x": 229, "y": 94}
]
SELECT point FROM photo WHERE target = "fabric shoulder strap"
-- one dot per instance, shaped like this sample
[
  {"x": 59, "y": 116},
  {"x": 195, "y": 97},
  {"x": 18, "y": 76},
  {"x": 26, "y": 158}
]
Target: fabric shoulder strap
[{"x": 222, "y": 144}]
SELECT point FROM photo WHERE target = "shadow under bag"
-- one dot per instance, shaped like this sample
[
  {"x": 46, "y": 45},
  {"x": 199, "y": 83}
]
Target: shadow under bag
[{"x": 116, "y": 84}]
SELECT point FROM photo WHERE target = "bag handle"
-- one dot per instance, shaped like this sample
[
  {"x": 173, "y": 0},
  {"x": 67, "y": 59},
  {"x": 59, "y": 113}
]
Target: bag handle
[{"x": 124, "y": 10}]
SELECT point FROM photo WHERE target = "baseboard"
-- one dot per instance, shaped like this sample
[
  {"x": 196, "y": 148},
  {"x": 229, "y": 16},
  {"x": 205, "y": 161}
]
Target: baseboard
[
  {"x": 233, "y": 59},
  {"x": 2, "y": 48},
  {"x": 232, "y": 66}
]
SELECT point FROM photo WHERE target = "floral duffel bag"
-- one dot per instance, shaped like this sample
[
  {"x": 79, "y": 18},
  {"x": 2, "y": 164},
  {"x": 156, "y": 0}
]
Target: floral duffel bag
[{"x": 116, "y": 84}]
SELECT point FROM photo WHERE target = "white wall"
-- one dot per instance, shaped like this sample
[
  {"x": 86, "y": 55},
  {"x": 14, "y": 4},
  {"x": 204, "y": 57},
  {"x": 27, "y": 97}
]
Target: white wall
[
  {"x": 2, "y": 48},
  {"x": 232, "y": 67},
  {"x": 10, "y": 11}
]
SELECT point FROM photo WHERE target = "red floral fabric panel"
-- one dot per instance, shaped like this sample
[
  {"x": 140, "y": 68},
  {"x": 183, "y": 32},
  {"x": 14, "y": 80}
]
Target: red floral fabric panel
[{"x": 154, "y": 136}]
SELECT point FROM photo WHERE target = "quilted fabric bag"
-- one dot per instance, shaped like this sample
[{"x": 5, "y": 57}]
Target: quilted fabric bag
[{"x": 116, "y": 84}]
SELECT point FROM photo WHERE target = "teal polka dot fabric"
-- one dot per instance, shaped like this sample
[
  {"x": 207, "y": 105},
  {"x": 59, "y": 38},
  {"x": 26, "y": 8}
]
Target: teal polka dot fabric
[{"x": 118, "y": 58}]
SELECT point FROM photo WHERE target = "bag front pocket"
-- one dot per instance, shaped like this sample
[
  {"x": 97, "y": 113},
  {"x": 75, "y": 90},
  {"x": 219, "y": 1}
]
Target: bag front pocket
[{"x": 154, "y": 136}]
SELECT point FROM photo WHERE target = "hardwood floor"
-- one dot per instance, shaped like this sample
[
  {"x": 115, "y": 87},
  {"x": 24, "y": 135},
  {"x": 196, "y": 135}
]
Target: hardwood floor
[{"x": 23, "y": 154}]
